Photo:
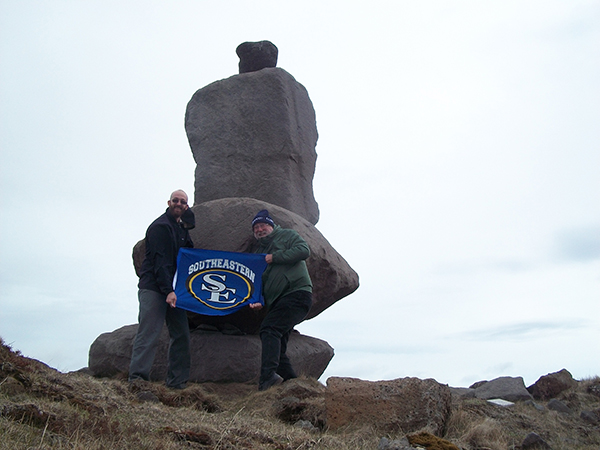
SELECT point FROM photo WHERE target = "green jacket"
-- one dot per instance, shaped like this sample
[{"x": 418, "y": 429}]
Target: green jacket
[{"x": 287, "y": 273}]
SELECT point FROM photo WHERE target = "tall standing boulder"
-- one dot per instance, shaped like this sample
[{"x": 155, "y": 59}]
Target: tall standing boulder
[{"x": 254, "y": 135}]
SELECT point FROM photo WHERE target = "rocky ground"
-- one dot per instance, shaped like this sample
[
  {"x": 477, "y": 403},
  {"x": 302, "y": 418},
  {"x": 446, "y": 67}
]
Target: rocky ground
[{"x": 42, "y": 408}]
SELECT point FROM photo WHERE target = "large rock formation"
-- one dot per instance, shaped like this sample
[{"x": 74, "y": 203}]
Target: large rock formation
[
  {"x": 254, "y": 135},
  {"x": 215, "y": 356},
  {"x": 225, "y": 225},
  {"x": 253, "y": 138}
]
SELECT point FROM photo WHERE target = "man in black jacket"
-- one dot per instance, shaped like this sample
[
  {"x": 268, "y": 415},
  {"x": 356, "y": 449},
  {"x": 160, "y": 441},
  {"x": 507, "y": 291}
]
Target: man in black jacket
[{"x": 164, "y": 237}]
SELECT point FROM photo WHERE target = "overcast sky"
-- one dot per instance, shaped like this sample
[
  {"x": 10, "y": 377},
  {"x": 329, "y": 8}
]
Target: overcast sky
[{"x": 457, "y": 172}]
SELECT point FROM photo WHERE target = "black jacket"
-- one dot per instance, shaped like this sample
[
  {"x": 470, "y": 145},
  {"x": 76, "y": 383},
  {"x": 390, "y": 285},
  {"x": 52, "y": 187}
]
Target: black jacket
[{"x": 164, "y": 237}]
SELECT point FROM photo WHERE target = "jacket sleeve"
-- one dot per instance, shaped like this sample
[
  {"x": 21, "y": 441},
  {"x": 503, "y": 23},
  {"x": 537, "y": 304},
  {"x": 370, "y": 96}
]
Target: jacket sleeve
[
  {"x": 188, "y": 242},
  {"x": 297, "y": 250},
  {"x": 160, "y": 241}
]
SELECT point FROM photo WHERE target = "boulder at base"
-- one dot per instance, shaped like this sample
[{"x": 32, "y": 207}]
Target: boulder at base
[
  {"x": 215, "y": 357},
  {"x": 225, "y": 225},
  {"x": 404, "y": 404}
]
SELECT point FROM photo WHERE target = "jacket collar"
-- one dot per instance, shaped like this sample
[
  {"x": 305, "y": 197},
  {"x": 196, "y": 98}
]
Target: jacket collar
[{"x": 271, "y": 235}]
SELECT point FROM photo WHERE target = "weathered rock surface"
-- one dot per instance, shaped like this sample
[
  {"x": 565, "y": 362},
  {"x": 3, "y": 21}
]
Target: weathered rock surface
[
  {"x": 405, "y": 404},
  {"x": 463, "y": 392},
  {"x": 591, "y": 417},
  {"x": 254, "y": 135},
  {"x": 552, "y": 384},
  {"x": 507, "y": 388},
  {"x": 534, "y": 441},
  {"x": 225, "y": 225},
  {"x": 215, "y": 357},
  {"x": 557, "y": 405},
  {"x": 255, "y": 56}
]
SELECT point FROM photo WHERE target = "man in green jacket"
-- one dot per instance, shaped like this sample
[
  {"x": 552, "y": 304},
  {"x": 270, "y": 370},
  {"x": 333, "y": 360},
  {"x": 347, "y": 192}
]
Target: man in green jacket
[{"x": 287, "y": 291}]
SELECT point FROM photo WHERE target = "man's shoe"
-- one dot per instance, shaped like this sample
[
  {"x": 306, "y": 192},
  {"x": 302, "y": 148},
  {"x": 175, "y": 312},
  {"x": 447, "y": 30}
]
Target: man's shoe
[{"x": 273, "y": 381}]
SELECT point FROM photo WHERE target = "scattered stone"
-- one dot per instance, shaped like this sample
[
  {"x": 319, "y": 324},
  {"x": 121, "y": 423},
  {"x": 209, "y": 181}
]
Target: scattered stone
[
  {"x": 552, "y": 384},
  {"x": 217, "y": 358},
  {"x": 255, "y": 56},
  {"x": 306, "y": 425},
  {"x": 407, "y": 404},
  {"x": 506, "y": 388},
  {"x": 557, "y": 405},
  {"x": 534, "y": 441},
  {"x": 591, "y": 417}
]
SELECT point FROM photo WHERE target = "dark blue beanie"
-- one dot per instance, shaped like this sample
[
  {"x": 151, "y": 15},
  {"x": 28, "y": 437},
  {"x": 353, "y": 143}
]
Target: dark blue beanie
[{"x": 263, "y": 217}]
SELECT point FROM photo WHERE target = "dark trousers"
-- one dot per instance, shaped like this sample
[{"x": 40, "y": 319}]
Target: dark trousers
[
  {"x": 154, "y": 310},
  {"x": 275, "y": 331}
]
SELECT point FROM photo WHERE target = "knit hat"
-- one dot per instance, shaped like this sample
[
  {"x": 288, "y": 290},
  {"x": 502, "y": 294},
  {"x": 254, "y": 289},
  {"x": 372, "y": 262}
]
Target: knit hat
[{"x": 263, "y": 217}]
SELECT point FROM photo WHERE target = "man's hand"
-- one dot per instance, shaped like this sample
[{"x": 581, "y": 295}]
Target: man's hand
[
  {"x": 172, "y": 299},
  {"x": 255, "y": 306},
  {"x": 269, "y": 258}
]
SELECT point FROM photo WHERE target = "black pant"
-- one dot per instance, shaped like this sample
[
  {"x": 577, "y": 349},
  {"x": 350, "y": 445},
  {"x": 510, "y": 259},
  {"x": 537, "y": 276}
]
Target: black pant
[
  {"x": 275, "y": 331},
  {"x": 154, "y": 310}
]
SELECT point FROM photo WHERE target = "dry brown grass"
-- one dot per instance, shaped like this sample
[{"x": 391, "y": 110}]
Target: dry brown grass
[
  {"x": 477, "y": 425},
  {"x": 41, "y": 408}
]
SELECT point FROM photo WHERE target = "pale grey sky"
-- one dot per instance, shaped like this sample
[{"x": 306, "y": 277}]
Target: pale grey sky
[{"x": 457, "y": 173}]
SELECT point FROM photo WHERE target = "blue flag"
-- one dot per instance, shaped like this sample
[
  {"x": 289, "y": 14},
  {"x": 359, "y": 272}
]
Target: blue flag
[{"x": 215, "y": 283}]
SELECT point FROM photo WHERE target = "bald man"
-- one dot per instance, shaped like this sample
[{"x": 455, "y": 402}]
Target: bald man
[{"x": 164, "y": 237}]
